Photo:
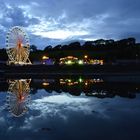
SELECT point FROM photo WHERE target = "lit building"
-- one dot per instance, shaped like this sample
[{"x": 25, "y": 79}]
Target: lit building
[
  {"x": 47, "y": 61},
  {"x": 69, "y": 60},
  {"x": 96, "y": 62}
]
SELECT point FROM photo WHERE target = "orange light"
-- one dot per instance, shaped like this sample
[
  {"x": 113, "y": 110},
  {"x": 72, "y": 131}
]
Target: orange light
[
  {"x": 86, "y": 83},
  {"x": 22, "y": 98},
  {"x": 19, "y": 44},
  {"x": 101, "y": 62},
  {"x": 70, "y": 57},
  {"x": 85, "y": 56},
  {"x": 45, "y": 84}
]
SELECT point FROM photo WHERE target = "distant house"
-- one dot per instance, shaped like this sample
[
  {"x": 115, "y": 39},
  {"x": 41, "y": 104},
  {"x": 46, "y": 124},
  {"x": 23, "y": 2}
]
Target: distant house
[
  {"x": 96, "y": 62},
  {"x": 47, "y": 61},
  {"x": 69, "y": 60}
]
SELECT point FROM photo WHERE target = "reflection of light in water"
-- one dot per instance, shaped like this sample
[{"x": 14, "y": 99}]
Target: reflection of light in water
[
  {"x": 18, "y": 97},
  {"x": 80, "y": 80},
  {"x": 86, "y": 83},
  {"x": 45, "y": 84}
]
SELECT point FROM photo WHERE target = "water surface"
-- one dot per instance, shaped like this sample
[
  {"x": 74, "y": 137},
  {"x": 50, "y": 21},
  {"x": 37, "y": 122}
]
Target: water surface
[{"x": 69, "y": 108}]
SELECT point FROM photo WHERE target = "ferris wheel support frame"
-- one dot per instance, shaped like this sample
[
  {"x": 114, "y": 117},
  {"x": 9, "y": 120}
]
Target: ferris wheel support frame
[{"x": 10, "y": 62}]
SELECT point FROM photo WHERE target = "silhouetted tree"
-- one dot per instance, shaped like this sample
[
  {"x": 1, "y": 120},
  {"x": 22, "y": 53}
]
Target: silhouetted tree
[
  {"x": 48, "y": 48},
  {"x": 33, "y": 48}
]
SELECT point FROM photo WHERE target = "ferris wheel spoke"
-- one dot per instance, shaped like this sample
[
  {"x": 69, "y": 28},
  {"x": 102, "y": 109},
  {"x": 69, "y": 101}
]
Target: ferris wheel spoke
[
  {"x": 9, "y": 47},
  {"x": 21, "y": 37},
  {"x": 15, "y": 31},
  {"x": 12, "y": 49},
  {"x": 11, "y": 43},
  {"x": 13, "y": 36},
  {"x": 24, "y": 88},
  {"x": 24, "y": 53},
  {"x": 15, "y": 108},
  {"x": 13, "y": 103},
  {"x": 13, "y": 52},
  {"x": 13, "y": 97}
]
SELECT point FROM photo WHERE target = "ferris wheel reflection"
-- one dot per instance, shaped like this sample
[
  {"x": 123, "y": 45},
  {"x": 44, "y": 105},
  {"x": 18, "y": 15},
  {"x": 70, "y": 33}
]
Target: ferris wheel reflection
[{"x": 18, "y": 97}]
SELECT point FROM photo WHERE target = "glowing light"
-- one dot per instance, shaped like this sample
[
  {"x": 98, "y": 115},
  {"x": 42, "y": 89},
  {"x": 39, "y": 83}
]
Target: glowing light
[
  {"x": 69, "y": 80},
  {"x": 80, "y": 62},
  {"x": 69, "y": 62},
  {"x": 101, "y": 62},
  {"x": 22, "y": 98},
  {"x": 80, "y": 80},
  {"x": 45, "y": 84},
  {"x": 45, "y": 57},
  {"x": 70, "y": 57},
  {"x": 86, "y": 83},
  {"x": 85, "y": 56}
]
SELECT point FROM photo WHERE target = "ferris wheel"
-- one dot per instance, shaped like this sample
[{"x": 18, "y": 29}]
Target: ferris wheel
[
  {"x": 17, "y": 46},
  {"x": 18, "y": 97}
]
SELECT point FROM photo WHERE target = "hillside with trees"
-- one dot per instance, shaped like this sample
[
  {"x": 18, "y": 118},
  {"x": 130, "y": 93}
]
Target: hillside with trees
[{"x": 109, "y": 50}]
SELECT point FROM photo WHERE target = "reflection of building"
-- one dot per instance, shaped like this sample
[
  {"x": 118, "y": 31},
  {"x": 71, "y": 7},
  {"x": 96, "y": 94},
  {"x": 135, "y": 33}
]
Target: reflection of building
[
  {"x": 96, "y": 62},
  {"x": 18, "y": 97},
  {"x": 71, "y": 82},
  {"x": 95, "y": 87},
  {"x": 68, "y": 82}
]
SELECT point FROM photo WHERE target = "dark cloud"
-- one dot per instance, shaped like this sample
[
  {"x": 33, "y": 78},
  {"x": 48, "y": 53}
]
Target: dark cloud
[
  {"x": 96, "y": 18},
  {"x": 13, "y": 16}
]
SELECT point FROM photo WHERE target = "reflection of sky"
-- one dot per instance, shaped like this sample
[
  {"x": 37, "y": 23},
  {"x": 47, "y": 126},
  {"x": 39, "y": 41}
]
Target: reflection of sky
[{"x": 62, "y": 116}]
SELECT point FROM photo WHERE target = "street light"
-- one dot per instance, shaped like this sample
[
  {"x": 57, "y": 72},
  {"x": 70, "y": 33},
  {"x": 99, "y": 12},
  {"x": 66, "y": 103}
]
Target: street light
[
  {"x": 85, "y": 56},
  {"x": 80, "y": 62},
  {"x": 44, "y": 57}
]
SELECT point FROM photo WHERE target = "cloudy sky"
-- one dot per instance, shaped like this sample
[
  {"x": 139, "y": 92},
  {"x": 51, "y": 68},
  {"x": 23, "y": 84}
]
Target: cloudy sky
[{"x": 50, "y": 22}]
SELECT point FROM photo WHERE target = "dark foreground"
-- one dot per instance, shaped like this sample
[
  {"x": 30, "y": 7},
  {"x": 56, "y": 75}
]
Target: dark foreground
[{"x": 40, "y": 71}]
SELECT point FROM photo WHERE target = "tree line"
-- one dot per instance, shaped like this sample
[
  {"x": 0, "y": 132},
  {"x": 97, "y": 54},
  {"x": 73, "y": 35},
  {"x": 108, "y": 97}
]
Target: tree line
[{"x": 108, "y": 50}]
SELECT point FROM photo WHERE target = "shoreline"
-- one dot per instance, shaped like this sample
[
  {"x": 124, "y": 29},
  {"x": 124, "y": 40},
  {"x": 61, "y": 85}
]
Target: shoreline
[{"x": 72, "y": 70}]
